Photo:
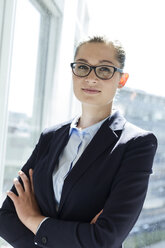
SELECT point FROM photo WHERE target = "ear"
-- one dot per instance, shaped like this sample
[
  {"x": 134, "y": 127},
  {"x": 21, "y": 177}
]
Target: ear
[{"x": 123, "y": 80}]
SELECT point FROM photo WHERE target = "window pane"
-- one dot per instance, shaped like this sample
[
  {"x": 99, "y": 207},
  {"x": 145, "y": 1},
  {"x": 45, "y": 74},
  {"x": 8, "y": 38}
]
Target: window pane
[
  {"x": 29, "y": 84},
  {"x": 150, "y": 228},
  {"x": 22, "y": 90}
]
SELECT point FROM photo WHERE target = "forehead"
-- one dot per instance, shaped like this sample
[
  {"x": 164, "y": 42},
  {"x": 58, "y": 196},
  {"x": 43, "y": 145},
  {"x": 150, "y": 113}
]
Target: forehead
[{"x": 96, "y": 52}]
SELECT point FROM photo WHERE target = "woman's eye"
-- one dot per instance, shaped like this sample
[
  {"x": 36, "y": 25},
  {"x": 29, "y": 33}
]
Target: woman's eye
[
  {"x": 82, "y": 67},
  {"x": 105, "y": 69}
]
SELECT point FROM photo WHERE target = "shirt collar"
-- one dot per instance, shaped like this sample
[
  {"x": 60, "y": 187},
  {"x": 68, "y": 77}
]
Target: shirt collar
[{"x": 89, "y": 130}]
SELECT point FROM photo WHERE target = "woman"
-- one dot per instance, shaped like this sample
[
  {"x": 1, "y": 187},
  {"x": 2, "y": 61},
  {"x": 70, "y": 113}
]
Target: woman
[{"x": 85, "y": 183}]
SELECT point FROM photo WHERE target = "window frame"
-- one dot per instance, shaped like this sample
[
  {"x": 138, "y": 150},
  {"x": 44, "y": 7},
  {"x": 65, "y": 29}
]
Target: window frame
[
  {"x": 51, "y": 21},
  {"x": 7, "y": 13}
]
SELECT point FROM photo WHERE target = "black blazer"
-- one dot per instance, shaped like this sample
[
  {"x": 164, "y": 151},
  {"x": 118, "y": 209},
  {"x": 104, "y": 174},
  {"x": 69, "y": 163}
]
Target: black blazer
[{"x": 112, "y": 174}]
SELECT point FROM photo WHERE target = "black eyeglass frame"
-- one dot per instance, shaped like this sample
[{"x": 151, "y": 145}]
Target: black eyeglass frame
[{"x": 94, "y": 68}]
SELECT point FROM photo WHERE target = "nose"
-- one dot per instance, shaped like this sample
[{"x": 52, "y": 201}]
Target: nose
[{"x": 91, "y": 78}]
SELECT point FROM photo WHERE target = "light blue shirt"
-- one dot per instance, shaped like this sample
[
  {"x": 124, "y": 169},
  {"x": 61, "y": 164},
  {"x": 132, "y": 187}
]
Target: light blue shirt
[{"x": 78, "y": 141}]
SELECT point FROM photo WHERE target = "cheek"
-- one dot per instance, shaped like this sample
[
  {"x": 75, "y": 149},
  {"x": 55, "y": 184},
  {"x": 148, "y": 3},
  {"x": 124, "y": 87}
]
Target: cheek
[{"x": 110, "y": 90}]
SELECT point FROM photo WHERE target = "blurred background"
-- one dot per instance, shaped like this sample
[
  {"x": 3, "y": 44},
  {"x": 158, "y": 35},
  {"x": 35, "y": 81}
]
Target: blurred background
[{"x": 37, "y": 42}]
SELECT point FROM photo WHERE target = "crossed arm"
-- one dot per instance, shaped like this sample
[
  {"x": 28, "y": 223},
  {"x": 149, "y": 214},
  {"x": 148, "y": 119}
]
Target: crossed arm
[
  {"x": 120, "y": 210},
  {"x": 26, "y": 205}
]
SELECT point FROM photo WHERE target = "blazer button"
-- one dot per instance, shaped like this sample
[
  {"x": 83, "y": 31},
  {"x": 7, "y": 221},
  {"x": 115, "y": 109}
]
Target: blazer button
[{"x": 44, "y": 240}]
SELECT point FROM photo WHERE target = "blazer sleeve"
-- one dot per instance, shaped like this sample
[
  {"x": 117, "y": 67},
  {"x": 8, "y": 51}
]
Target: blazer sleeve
[
  {"x": 121, "y": 209},
  {"x": 11, "y": 228}
]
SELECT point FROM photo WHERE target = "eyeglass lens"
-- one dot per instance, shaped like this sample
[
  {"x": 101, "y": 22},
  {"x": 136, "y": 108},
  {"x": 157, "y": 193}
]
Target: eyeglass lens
[{"x": 82, "y": 70}]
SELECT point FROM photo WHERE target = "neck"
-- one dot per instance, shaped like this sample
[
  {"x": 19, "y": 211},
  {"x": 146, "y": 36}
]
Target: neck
[{"x": 93, "y": 114}]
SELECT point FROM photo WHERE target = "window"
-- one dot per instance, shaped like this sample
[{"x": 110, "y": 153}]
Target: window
[
  {"x": 33, "y": 25},
  {"x": 149, "y": 229},
  {"x": 22, "y": 110}
]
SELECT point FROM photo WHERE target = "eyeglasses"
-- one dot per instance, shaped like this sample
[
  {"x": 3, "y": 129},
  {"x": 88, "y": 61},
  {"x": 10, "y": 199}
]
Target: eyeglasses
[{"x": 103, "y": 72}]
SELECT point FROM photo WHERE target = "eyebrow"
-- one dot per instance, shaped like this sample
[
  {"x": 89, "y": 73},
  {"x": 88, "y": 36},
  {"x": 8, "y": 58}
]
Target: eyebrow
[
  {"x": 107, "y": 61},
  {"x": 83, "y": 60},
  {"x": 100, "y": 61}
]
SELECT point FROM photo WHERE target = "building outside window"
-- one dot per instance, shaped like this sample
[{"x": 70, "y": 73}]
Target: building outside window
[{"x": 150, "y": 228}]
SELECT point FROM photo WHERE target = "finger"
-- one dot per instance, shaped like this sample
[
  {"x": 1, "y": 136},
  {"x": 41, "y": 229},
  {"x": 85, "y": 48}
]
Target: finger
[
  {"x": 25, "y": 181},
  {"x": 18, "y": 186},
  {"x": 96, "y": 217},
  {"x": 12, "y": 196},
  {"x": 93, "y": 221},
  {"x": 101, "y": 212},
  {"x": 31, "y": 179}
]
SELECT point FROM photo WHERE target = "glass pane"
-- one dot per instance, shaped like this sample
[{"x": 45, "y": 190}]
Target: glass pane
[
  {"x": 150, "y": 228},
  {"x": 22, "y": 90}
]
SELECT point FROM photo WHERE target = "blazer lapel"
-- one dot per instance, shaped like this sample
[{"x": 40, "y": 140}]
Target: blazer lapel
[
  {"x": 59, "y": 141},
  {"x": 104, "y": 138}
]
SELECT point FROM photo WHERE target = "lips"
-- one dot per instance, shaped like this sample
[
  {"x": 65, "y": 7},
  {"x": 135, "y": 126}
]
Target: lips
[{"x": 91, "y": 91}]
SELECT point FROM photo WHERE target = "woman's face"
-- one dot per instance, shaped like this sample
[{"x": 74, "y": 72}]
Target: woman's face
[{"x": 92, "y": 90}]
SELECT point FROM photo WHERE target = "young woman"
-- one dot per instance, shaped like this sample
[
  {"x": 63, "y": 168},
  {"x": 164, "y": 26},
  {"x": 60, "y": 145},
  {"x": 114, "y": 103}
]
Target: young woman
[{"x": 85, "y": 183}]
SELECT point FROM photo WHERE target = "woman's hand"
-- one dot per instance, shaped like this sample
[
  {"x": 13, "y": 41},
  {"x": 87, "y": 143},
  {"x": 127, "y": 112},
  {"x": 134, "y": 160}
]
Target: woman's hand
[
  {"x": 25, "y": 203},
  {"x": 93, "y": 221}
]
